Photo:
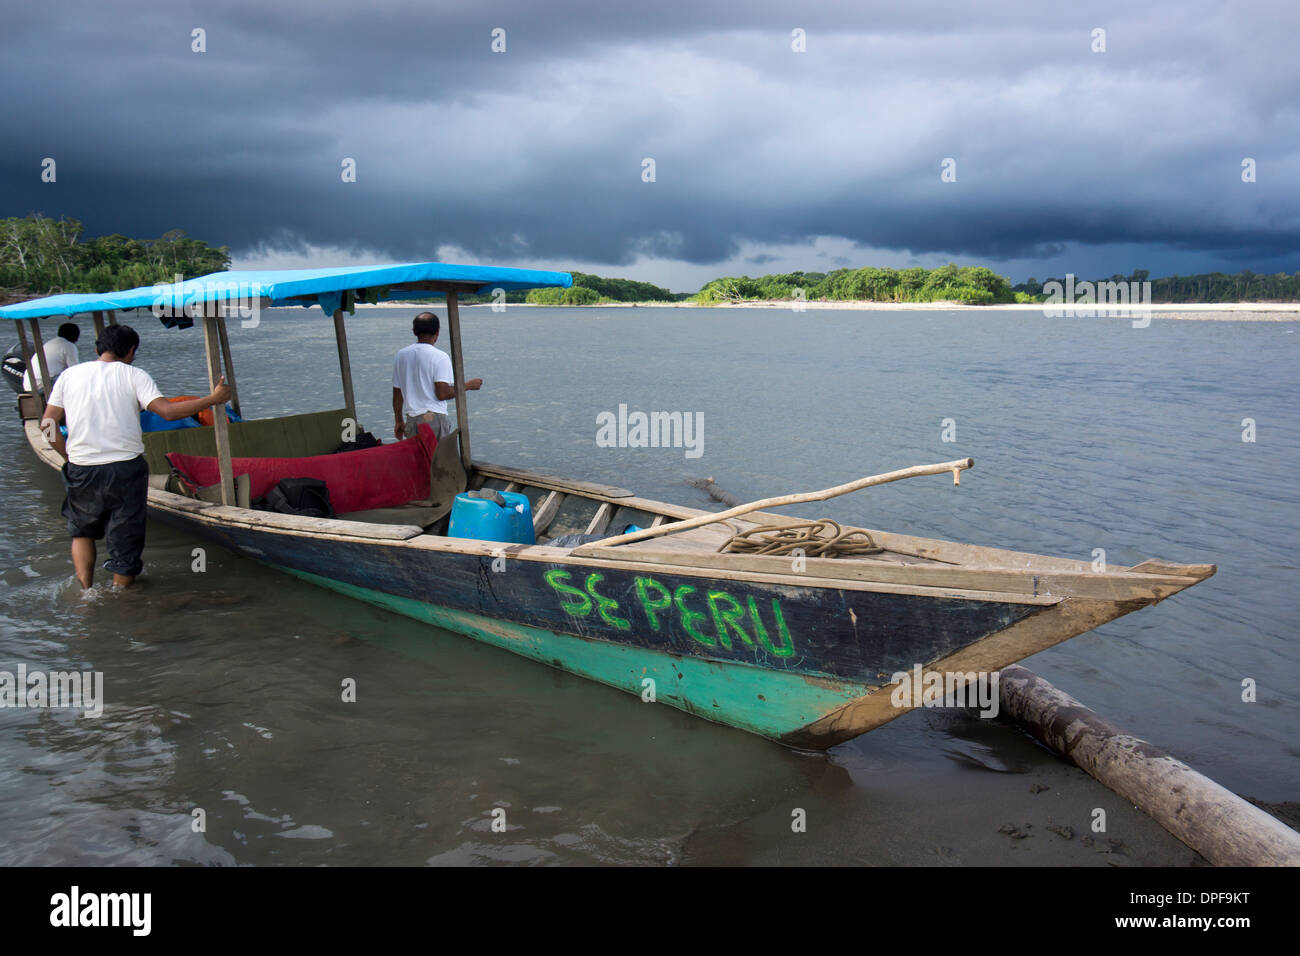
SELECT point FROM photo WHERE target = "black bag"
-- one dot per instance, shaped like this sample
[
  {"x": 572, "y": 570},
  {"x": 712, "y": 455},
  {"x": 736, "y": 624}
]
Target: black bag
[
  {"x": 298, "y": 496},
  {"x": 364, "y": 440}
]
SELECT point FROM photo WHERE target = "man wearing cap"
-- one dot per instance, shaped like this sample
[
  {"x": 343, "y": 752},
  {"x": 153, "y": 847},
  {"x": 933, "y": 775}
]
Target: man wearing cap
[{"x": 423, "y": 383}]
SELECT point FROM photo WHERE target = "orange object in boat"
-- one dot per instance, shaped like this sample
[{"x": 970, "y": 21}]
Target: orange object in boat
[{"x": 204, "y": 417}]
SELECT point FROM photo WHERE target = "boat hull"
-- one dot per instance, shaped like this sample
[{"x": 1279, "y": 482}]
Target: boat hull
[{"x": 768, "y": 658}]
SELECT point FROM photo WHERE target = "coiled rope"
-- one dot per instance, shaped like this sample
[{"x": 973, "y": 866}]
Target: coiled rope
[{"x": 816, "y": 539}]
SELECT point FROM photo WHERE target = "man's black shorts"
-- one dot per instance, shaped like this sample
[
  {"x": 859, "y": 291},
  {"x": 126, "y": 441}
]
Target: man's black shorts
[{"x": 109, "y": 500}]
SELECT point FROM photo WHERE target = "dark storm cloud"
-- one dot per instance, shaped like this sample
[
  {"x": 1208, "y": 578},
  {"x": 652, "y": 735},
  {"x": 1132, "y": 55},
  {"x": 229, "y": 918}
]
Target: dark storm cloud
[{"x": 535, "y": 154}]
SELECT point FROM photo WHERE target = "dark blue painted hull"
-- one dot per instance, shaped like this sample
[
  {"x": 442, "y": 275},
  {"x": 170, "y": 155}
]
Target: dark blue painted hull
[{"x": 857, "y": 636}]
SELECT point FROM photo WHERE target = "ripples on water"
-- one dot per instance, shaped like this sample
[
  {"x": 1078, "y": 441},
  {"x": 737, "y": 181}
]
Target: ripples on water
[{"x": 223, "y": 689}]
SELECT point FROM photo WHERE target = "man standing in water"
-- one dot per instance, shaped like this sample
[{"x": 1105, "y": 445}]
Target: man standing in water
[
  {"x": 105, "y": 474},
  {"x": 423, "y": 382}
]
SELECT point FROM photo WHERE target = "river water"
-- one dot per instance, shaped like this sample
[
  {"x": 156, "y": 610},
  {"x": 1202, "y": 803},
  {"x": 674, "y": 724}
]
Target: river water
[{"x": 223, "y": 739}]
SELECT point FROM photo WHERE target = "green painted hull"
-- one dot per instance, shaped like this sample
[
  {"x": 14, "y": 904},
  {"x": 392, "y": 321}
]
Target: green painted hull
[{"x": 771, "y": 703}]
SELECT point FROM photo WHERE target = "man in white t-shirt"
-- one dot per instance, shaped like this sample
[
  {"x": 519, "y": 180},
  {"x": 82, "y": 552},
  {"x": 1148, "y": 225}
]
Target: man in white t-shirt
[
  {"x": 59, "y": 354},
  {"x": 423, "y": 382},
  {"x": 105, "y": 474}
]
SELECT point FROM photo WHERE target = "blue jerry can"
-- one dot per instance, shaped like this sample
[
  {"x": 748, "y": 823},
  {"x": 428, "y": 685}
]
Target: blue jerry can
[{"x": 492, "y": 516}]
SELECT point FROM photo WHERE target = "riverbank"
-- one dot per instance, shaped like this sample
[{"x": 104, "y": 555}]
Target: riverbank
[
  {"x": 1232, "y": 311},
  {"x": 1204, "y": 311}
]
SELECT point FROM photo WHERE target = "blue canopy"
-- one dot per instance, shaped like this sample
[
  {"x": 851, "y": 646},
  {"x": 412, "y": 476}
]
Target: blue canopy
[{"x": 307, "y": 287}]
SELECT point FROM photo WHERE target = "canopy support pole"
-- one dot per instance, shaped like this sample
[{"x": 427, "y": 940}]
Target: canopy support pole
[
  {"x": 112, "y": 318},
  {"x": 44, "y": 392},
  {"x": 220, "y": 427},
  {"x": 99, "y": 327},
  {"x": 230, "y": 364},
  {"x": 27, "y": 362},
  {"x": 345, "y": 363},
  {"x": 458, "y": 368}
]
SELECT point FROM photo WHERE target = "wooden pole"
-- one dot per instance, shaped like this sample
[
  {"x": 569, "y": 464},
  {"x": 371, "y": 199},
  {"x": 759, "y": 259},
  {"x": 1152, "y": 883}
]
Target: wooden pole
[
  {"x": 230, "y": 364},
  {"x": 27, "y": 363},
  {"x": 99, "y": 327},
  {"x": 42, "y": 363},
  {"x": 956, "y": 467},
  {"x": 1213, "y": 821},
  {"x": 458, "y": 368},
  {"x": 221, "y": 428},
  {"x": 112, "y": 318},
  {"x": 345, "y": 362}
]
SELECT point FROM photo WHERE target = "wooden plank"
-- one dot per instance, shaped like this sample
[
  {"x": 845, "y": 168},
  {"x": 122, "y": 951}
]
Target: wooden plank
[
  {"x": 600, "y": 521},
  {"x": 1153, "y": 566},
  {"x": 952, "y": 552},
  {"x": 557, "y": 482},
  {"x": 458, "y": 369},
  {"x": 230, "y": 364},
  {"x": 926, "y": 549},
  {"x": 546, "y": 511},
  {"x": 27, "y": 364},
  {"x": 1106, "y": 586},
  {"x": 345, "y": 363},
  {"x": 945, "y": 552},
  {"x": 42, "y": 394},
  {"x": 544, "y": 554},
  {"x": 659, "y": 519},
  {"x": 41, "y": 445},
  {"x": 512, "y": 486},
  {"x": 239, "y": 517},
  {"x": 318, "y": 526},
  {"x": 221, "y": 428}
]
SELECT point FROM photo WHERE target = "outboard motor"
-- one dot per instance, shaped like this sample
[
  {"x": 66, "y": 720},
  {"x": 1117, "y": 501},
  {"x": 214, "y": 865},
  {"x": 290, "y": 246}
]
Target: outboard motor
[{"x": 13, "y": 367}]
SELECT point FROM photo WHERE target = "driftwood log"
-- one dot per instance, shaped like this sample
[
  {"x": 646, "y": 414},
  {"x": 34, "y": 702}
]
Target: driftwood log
[
  {"x": 1213, "y": 821},
  {"x": 710, "y": 488}
]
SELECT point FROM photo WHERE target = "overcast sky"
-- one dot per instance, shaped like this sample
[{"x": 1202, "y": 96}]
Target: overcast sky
[{"x": 766, "y": 159}]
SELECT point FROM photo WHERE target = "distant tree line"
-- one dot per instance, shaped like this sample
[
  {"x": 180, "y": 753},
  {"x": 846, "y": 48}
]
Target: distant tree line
[
  {"x": 590, "y": 289},
  {"x": 41, "y": 256},
  {"x": 975, "y": 285},
  {"x": 1244, "y": 286}
]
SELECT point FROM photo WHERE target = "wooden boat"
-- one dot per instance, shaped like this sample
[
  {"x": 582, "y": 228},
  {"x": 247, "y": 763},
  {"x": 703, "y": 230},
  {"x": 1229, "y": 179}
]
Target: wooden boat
[{"x": 802, "y": 650}]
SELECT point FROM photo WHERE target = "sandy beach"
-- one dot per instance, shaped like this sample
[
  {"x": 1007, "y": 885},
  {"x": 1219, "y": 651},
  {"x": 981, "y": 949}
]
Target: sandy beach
[{"x": 1205, "y": 311}]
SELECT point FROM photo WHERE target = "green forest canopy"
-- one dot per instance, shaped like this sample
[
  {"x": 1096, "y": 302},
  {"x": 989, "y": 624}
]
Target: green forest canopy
[
  {"x": 41, "y": 256},
  {"x": 1244, "y": 286},
  {"x": 975, "y": 285},
  {"x": 592, "y": 290}
]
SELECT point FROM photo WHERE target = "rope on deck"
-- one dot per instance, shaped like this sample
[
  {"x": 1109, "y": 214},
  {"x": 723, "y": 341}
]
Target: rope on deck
[{"x": 823, "y": 538}]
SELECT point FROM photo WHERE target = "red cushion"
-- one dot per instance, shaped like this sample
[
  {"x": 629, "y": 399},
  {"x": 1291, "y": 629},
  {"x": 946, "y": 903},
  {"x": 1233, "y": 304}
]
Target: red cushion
[{"x": 379, "y": 477}]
